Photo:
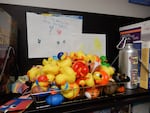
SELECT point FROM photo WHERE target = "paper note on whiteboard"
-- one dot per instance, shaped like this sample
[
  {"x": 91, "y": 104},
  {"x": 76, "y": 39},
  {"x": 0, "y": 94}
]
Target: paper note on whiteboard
[
  {"x": 45, "y": 29},
  {"x": 90, "y": 43}
]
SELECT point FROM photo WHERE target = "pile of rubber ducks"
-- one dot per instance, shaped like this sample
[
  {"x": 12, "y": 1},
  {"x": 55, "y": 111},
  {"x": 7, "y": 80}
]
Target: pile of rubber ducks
[{"x": 65, "y": 74}]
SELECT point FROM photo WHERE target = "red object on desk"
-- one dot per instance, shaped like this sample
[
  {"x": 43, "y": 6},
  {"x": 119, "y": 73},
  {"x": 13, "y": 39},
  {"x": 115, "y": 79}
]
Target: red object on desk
[{"x": 16, "y": 105}]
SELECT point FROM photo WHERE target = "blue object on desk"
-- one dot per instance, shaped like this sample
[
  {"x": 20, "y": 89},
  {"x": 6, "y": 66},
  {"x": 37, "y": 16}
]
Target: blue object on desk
[{"x": 142, "y": 2}]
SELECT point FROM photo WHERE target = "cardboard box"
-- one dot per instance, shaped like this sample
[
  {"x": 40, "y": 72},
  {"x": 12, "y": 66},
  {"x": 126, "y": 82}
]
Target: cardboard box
[
  {"x": 8, "y": 29},
  {"x": 3, "y": 58},
  {"x": 145, "y": 66},
  {"x": 7, "y": 68}
]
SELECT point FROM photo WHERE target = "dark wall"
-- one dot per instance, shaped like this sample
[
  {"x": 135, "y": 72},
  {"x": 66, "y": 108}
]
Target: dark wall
[{"x": 92, "y": 23}]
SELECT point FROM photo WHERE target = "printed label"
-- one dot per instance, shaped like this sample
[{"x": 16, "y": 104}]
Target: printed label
[
  {"x": 133, "y": 59},
  {"x": 134, "y": 77}
]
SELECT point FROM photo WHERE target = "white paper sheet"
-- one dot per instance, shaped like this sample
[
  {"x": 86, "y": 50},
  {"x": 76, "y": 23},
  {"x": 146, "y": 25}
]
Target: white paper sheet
[
  {"x": 43, "y": 30},
  {"x": 90, "y": 43}
]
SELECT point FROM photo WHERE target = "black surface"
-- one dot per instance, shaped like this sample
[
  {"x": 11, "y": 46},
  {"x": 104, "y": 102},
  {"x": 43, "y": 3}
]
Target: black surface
[
  {"x": 92, "y": 23},
  {"x": 138, "y": 95}
]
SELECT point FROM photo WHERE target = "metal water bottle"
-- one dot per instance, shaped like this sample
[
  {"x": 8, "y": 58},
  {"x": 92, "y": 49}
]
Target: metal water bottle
[{"x": 128, "y": 62}]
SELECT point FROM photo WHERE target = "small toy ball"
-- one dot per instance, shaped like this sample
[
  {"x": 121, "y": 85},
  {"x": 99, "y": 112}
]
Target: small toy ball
[
  {"x": 55, "y": 100},
  {"x": 92, "y": 93},
  {"x": 121, "y": 89},
  {"x": 61, "y": 55}
]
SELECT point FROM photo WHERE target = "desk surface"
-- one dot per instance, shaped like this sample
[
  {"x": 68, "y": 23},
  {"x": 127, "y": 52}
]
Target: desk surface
[{"x": 85, "y": 105}]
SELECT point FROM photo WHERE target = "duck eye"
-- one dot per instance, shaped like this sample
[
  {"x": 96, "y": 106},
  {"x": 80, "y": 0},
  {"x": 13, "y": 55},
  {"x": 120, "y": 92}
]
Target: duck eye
[
  {"x": 90, "y": 61},
  {"x": 100, "y": 75}
]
